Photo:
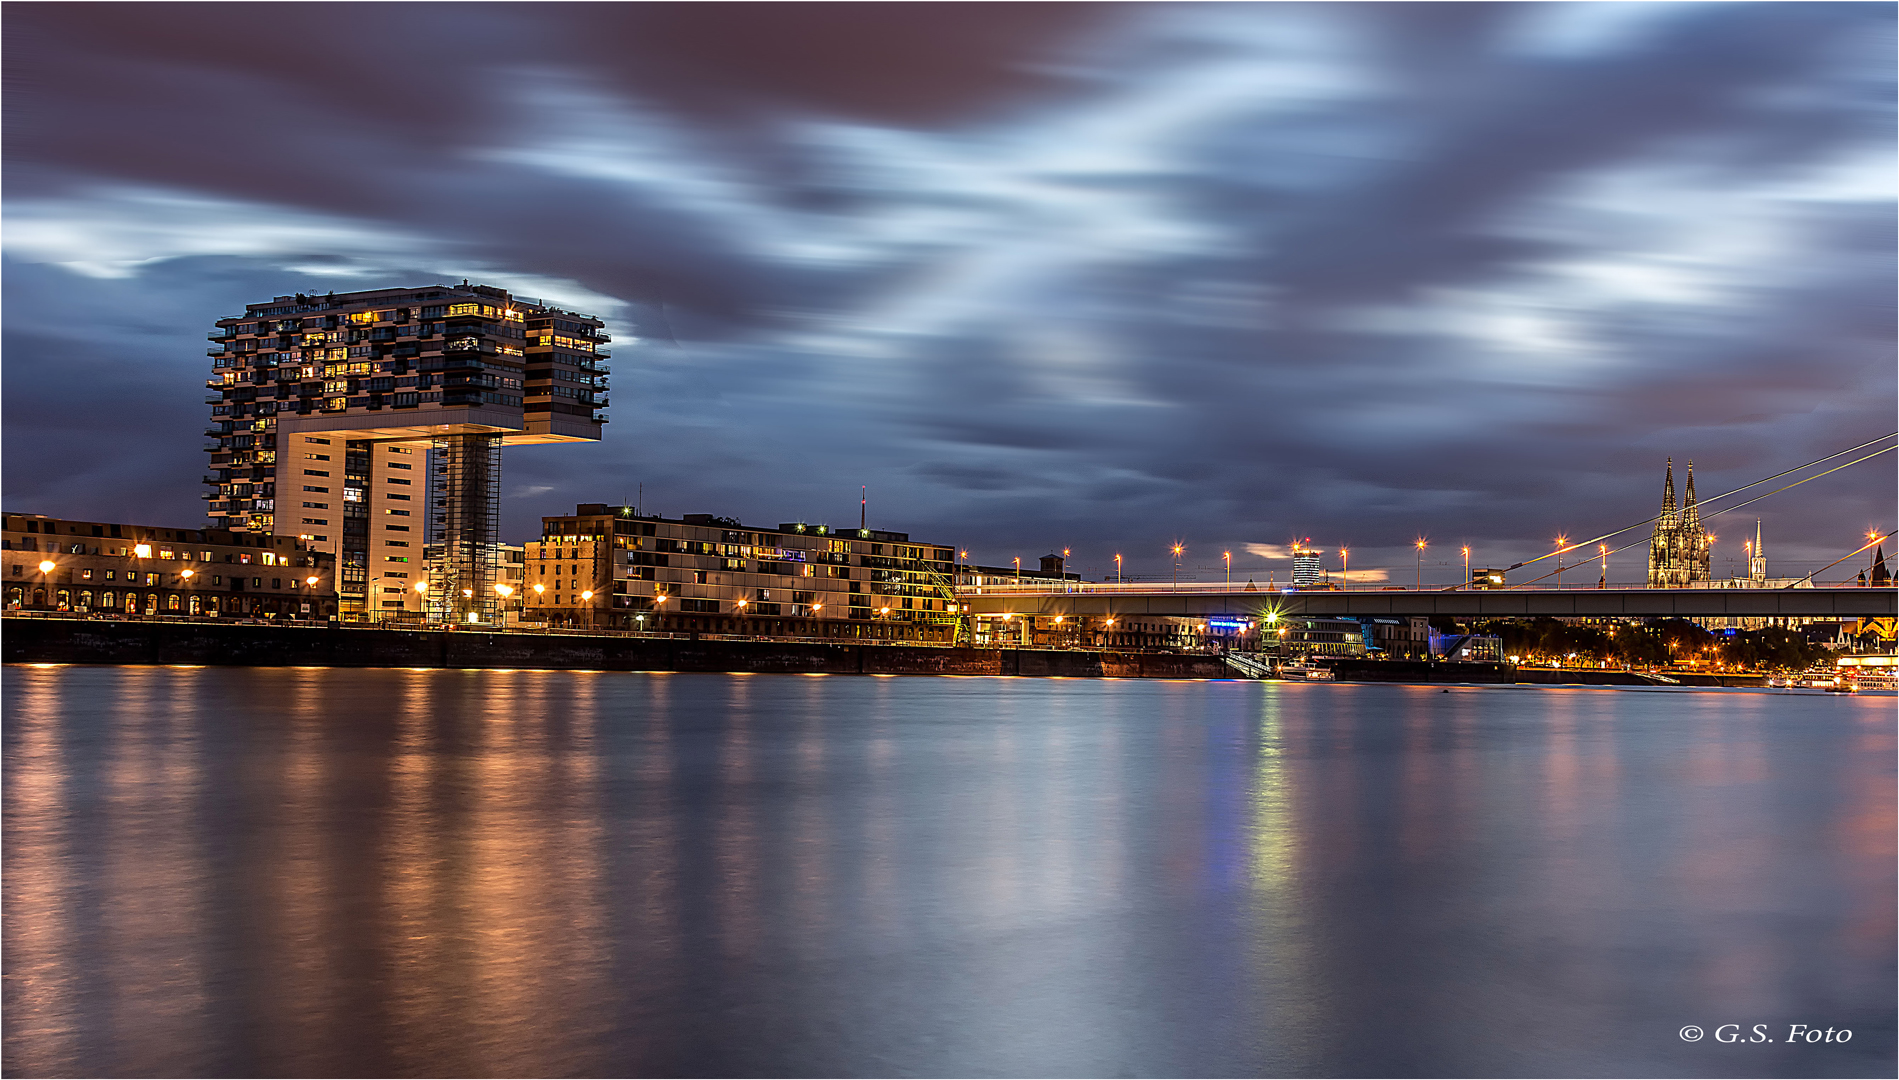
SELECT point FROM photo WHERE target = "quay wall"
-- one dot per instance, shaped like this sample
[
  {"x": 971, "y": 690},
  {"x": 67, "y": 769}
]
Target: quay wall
[{"x": 99, "y": 641}]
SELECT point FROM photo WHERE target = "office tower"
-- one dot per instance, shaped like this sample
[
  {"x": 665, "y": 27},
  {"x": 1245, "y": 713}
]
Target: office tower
[
  {"x": 1306, "y": 570},
  {"x": 371, "y": 424}
]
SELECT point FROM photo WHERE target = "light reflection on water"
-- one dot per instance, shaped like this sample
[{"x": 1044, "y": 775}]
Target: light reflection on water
[{"x": 227, "y": 871}]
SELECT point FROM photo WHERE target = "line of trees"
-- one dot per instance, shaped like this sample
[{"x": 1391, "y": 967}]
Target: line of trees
[{"x": 1655, "y": 644}]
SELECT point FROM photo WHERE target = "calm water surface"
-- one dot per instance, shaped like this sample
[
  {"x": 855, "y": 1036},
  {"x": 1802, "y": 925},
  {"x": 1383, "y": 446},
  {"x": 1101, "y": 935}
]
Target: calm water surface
[{"x": 311, "y": 872}]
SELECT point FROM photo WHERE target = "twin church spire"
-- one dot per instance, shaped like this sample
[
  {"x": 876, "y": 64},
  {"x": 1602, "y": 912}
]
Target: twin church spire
[{"x": 1678, "y": 552}]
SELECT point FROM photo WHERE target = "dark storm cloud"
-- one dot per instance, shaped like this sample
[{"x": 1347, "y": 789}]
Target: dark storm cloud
[{"x": 1104, "y": 276}]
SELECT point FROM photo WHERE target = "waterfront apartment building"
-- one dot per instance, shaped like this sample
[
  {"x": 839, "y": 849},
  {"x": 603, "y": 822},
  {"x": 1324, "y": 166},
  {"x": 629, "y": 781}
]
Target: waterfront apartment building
[
  {"x": 370, "y": 426},
  {"x": 604, "y": 567},
  {"x": 59, "y": 564}
]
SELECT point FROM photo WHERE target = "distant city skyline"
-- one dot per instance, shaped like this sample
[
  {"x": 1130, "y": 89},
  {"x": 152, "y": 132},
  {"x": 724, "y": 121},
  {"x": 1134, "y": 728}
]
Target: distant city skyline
[{"x": 1105, "y": 278}]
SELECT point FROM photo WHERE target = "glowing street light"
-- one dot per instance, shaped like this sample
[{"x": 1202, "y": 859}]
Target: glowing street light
[
  {"x": 1603, "y": 550},
  {"x": 312, "y": 580},
  {"x": 1228, "y": 556},
  {"x": 1018, "y": 569},
  {"x": 1421, "y": 546},
  {"x": 1560, "y": 541},
  {"x": 1466, "y": 564},
  {"x": 47, "y": 565},
  {"x": 504, "y": 590},
  {"x": 420, "y": 586},
  {"x": 588, "y": 595},
  {"x": 187, "y": 573},
  {"x": 1177, "y": 551},
  {"x": 538, "y": 588},
  {"x": 1119, "y": 579},
  {"x": 1345, "y": 565}
]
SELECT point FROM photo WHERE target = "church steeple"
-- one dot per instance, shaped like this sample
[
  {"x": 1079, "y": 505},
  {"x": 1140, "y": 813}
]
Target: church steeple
[
  {"x": 1690, "y": 513},
  {"x": 1757, "y": 558},
  {"x": 1678, "y": 550},
  {"x": 1668, "y": 495}
]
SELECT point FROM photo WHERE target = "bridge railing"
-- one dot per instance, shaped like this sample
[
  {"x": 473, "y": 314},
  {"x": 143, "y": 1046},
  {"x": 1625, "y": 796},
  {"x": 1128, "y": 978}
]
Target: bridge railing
[{"x": 1153, "y": 588}]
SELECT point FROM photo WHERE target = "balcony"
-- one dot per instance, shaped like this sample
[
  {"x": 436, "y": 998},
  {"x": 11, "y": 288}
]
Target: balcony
[
  {"x": 214, "y": 399},
  {"x": 219, "y": 335},
  {"x": 219, "y": 351}
]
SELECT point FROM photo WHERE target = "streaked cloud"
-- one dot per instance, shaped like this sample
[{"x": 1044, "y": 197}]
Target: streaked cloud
[{"x": 1080, "y": 275}]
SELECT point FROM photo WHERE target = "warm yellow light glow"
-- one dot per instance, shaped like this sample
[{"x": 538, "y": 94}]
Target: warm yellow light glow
[
  {"x": 741, "y": 603},
  {"x": 538, "y": 588},
  {"x": 587, "y": 595},
  {"x": 420, "y": 586},
  {"x": 1110, "y": 622},
  {"x": 143, "y": 551},
  {"x": 468, "y": 592},
  {"x": 817, "y": 607},
  {"x": 1006, "y": 616},
  {"x": 658, "y": 598},
  {"x": 46, "y": 566},
  {"x": 312, "y": 580},
  {"x": 504, "y": 589},
  {"x": 186, "y": 573},
  {"x": 1421, "y": 544},
  {"x": 1177, "y": 549},
  {"x": 1058, "y": 620}
]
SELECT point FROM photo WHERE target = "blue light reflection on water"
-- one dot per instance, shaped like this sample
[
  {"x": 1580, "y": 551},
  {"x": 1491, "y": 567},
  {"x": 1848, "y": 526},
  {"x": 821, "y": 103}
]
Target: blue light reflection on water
[{"x": 430, "y": 872}]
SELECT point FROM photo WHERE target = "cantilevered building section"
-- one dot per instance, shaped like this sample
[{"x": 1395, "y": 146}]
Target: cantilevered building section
[{"x": 371, "y": 424}]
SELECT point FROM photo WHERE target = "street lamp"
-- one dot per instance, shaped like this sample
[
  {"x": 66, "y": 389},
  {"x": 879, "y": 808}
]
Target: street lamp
[
  {"x": 1603, "y": 550},
  {"x": 1345, "y": 565},
  {"x": 1018, "y": 569},
  {"x": 1467, "y": 564},
  {"x": 1560, "y": 541},
  {"x": 312, "y": 580},
  {"x": 1177, "y": 550},
  {"x": 1228, "y": 556},
  {"x": 1421, "y": 546},
  {"x": 504, "y": 590},
  {"x": 187, "y": 574},
  {"x": 1119, "y": 579}
]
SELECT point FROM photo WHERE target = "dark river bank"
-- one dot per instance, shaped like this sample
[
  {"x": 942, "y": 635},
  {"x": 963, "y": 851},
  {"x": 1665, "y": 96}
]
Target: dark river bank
[{"x": 245, "y": 871}]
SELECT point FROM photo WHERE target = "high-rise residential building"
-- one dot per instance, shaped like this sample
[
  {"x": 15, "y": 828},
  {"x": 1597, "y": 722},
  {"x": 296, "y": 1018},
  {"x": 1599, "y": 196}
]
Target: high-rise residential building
[
  {"x": 1678, "y": 548},
  {"x": 370, "y": 424}
]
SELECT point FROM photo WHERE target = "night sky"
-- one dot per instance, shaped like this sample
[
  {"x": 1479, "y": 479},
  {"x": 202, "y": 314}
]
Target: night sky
[{"x": 1097, "y": 277}]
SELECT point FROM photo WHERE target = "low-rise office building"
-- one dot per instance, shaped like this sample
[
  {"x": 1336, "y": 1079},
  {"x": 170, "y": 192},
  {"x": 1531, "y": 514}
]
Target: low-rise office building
[
  {"x": 58, "y": 564},
  {"x": 604, "y": 567}
]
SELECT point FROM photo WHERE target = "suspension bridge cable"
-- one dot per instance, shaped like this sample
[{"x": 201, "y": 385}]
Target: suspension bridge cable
[
  {"x": 1725, "y": 494},
  {"x": 1717, "y": 513}
]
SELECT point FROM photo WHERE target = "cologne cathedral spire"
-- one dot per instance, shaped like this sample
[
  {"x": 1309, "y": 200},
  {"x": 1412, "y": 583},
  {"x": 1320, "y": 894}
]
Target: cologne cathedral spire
[
  {"x": 1668, "y": 496},
  {"x": 1678, "y": 549}
]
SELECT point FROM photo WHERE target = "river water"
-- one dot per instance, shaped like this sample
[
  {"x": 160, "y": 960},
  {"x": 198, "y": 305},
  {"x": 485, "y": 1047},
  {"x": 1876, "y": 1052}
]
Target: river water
[{"x": 389, "y": 872}]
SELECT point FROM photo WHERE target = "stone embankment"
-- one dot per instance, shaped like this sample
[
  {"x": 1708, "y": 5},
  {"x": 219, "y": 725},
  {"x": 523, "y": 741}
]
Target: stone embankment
[{"x": 103, "y": 641}]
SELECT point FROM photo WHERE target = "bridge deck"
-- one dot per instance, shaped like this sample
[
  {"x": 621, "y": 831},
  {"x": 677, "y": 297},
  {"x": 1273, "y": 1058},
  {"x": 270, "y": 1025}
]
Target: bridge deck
[{"x": 1843, "y": 603}]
